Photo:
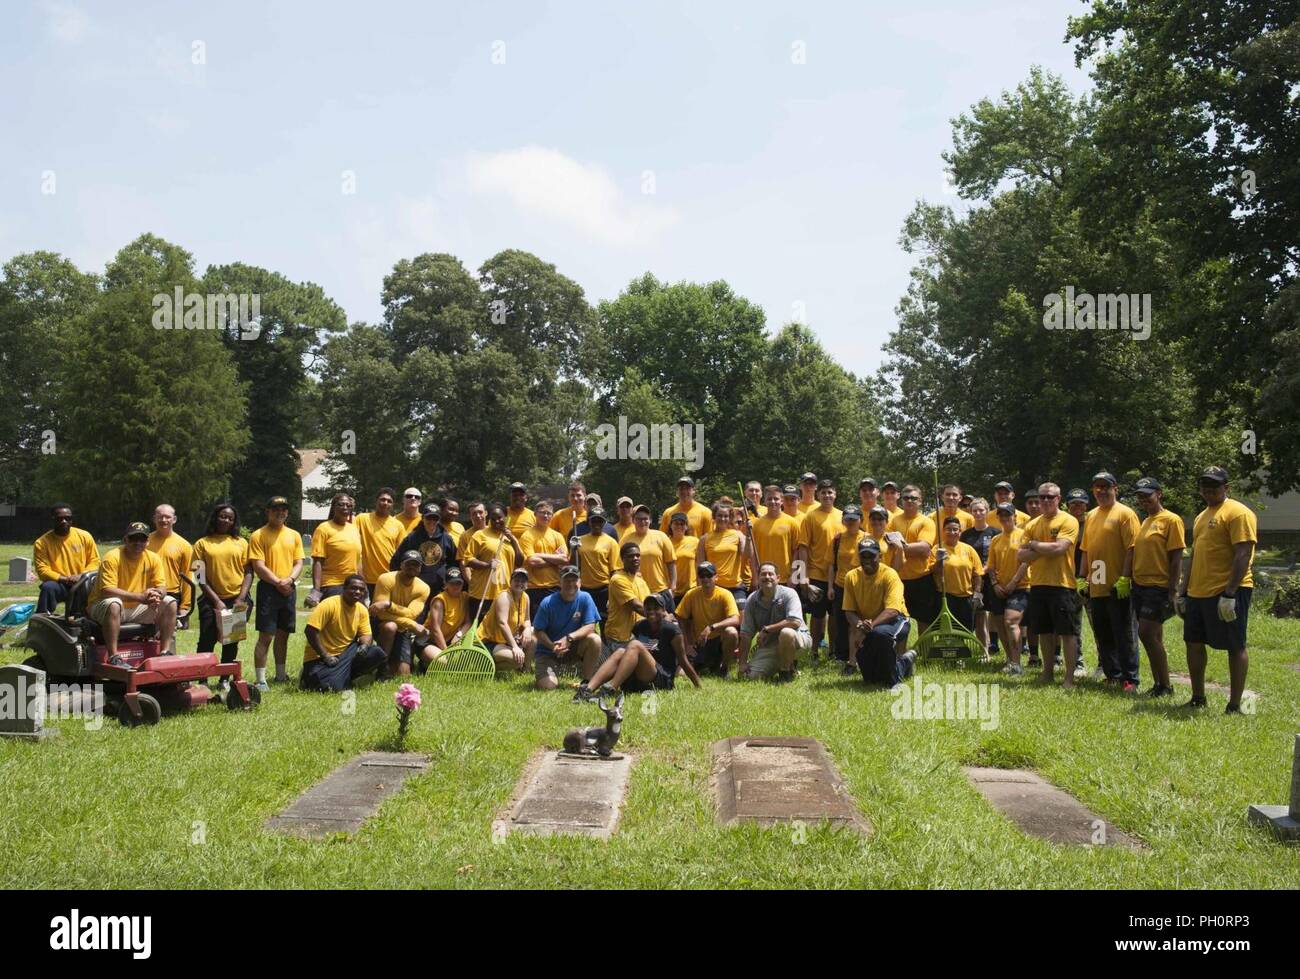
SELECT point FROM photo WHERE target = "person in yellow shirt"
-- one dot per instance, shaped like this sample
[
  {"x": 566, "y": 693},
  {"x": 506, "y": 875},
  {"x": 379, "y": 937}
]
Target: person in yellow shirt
[
  {"x": 816, "y": 545},
  {"x": 508, "y": 627},
  {"x": 1004, "y": 492},
  {"x": 340, "y": 649},
  {"x": 545, "y": 552},
  {"x": 518, "y": 517},
  {"x": 951, "y": 497},
  {"x": 597, "y": 554},
  {"x": 132, "y": 588},
  {"x": 397, "y": 615},
  {"x": 380, "y": 532},
  {"x": 62, "y": 555},
  {"x": 808, "y": 492},
  {"x": 1215, "y": 595},
  {"x": 875, "y": 607},
  {"x": 877, "y": 528},
  {"x": 492, "y": 557},
  {"x": 1157, "y": 567},
  {"x": 684, "y": 550},
  {"x": 755, "y": 494},
  {"x": 624, "y": 525},
  {"x": 477, "y": 513},
  {"x": 223, "y": 576},
  {"x": 1033, "y": 505},
  {"x": 1048, "y": 546},
  {"x": 710, "y": 622},
  {"x": 177, "y": 555},
  {"x": 335, "y": 550},
  {"x": 868, "y": 494},
  {"x": 889, "y": 494},
  {"x": 1010, "y": 592},
  {"x": 698, "y": 516},
  {"x": 1109, "y": 533},
  {"x": 844, "y": 558},
  {"x": 726, "y": 549},
  {"x": 776, "y": 535},
  {"x": 448, "y": 511},
  {"x": 275, "y": 555},
  {"x": 658, "y": 556},
  {"x": 409, "y": 518},
  {"x": 959, "y": 571},
  {"x": 449, "y": 615},
  {"x": 914, "y": 536},
  {"x": 575, "y": 513},
  {"x": 627, "y": 594}
]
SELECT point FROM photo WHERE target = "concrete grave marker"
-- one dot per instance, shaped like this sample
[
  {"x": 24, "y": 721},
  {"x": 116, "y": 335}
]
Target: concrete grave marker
[
  {"x": 1284, "y": 821},
  {"x": 348, "y": 796},
  {"x": 22, "y": 702},
  {"x": 781, "y": 780},
  {"x": 1186, "y": 681},
  {"x": 1041, "y": 809},
  {"x": 19, "y": 568},
  {"x": 571, "y": 794}
]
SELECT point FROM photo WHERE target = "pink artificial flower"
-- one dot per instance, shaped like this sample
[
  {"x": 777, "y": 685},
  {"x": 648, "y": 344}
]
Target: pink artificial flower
[{"x": 407, "y": 696}]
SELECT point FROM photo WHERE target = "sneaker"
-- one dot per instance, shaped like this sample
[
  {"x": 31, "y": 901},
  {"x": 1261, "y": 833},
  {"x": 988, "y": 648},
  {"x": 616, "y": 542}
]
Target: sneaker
[
  {"x": 784, "y": 676},
  {"x": 582, "y": 694},
  {"x": 1130, "y": 687},
  {"x": 1013, "y": 669},
  {"x": 848, "y": 669},
  {"x": 1160, "y": 690},
  {"x": 263, "y": 687},
  {"x": 1196, "y": 702},
  {"x": 1099, "y": 675},
  {"x": 1081, "y": 672},
  {"x": 1232, "y": 709},
  {"x": 1034, "y": 662}
]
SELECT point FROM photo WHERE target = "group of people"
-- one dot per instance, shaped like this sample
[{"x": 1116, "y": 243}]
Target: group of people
[{"x": 625, "y": 603}]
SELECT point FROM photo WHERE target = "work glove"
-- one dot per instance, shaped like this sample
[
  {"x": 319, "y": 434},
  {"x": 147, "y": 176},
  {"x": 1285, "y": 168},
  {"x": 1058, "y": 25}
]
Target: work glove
[
  {"x": 1228, "y": 608},
  {"x": 1123, "y": 586},
  {"x": 1081, "y": 585},
  {"x": 977, "y": 601}
]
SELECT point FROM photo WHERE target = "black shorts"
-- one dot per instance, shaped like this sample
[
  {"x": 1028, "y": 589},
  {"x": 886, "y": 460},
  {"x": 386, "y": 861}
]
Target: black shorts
[
  {"x": 1017, "y": 601},
  {"x": 401, "y": 652},
  {"x": 921, "y": 598},
  {"x": 601, "y": 597},
  {"x": 329, "y": 591},
  {"x": 962, "y": 609},
  {"x": 820, "y": 607},
  {"x": 535, "y": 598},
  {"x": 1152, "y": 603},
  {"x": 1202, "y": 624},
  {"x": 709, "y": 656},
  {"x": 275, "y": 612},
  {"x": 663, "y": 680},
  {"x": 1052, "y": 609}
]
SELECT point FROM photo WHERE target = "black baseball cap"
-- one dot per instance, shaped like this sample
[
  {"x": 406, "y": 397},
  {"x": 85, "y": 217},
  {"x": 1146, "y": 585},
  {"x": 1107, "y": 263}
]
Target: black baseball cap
[
  {"x": 853, "y": 512},
  {"x": 1105, "y": 477},
  {"x": 1147, "y": 485},
  {"x": 454, "y": 574},
  {"x": 686, "y": 481},
  {"x": 518, "y": 572},
  {"x": 706, "y": 570},
  {"x": 277, "y": 501},
  {"x": 411, "y": 555},
  {"x": 1214, "y": 474},
  {"x": 595, "y": 513},
  {"x": 1077, "y": 496},
  {"x": 866, "y": 481},
  {"x": 888, "y": 484},
  {"x": 868, "y": 545},
  {"x": 878, "y": 513},
  {"x": 1004, "y": 485},
  {"x": 430, "y": 510},
  {"x": 1031, "y": 493},
  {"x": 790, "y": 489},
  {"x": 642, "y": 508},
  {"x": 808, "y": 478},
  {"x": 570, "y": 571},
  {"x": 518, "y": 486},
  {"x": 136, "y": 529},
  {"x": 678, "y": 517},
  {"x": 653, "y": 599},
  {"x": 1007, "y": 509}
]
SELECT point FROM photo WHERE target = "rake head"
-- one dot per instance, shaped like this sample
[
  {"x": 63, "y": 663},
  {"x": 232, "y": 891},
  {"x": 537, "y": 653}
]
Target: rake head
[
  {"x": 948, "y": 639},
  {"x": 468, "y": 659}
]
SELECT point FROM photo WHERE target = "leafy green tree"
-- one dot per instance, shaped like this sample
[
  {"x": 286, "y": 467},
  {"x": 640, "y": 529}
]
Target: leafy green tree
[
  {"x": 646, "y": 480},
  {"x": 432, "y": 302}
]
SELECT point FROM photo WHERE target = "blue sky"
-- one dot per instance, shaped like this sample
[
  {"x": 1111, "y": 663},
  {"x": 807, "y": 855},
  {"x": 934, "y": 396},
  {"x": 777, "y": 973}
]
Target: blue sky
[{"x": 470, "y": 128}]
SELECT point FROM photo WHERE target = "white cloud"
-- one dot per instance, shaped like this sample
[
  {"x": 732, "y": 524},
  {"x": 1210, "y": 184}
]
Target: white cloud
[
  {"x": 67, "y": 23},
  {"x": 544, "y": 183}
]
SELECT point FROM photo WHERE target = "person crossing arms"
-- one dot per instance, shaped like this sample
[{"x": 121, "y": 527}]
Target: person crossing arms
[
  {"x": 914, "y": 535},
  {"x": 1157, "y": 567},
  {"x": 545, "y": 552},
  {"x": 1048, "y": 546}
]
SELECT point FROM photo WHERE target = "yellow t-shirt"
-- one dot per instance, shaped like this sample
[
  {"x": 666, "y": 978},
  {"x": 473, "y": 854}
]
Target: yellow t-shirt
[
  {"x": 699, "y": 518},
  {"x": 278, "y": 550},
  {"x": 565, "y": 520},
  {"x": 64, "y": 557},
  {"x": 1156, "y": 537},
  {"x": 701, "y": 609},
  {"x": 1058, "y": 570},
  {"x": 776, "y": 535},
  {"x": 455, "y": 530},
  {"x": 483, "y": 547},
  {"x": 1215, "y": 534},
  {"x": 339, "y": 548},
  {"x": 726, "y": 550},
  {"x": 130, "y": 574},
  {"x": 868, "y": 595},
  {"x": 225, "y": 561},
  {"x": 846, "y": 555},
  {"x": 967, "y": 521},
  {"x": 1108, "y": 533},
  {"x": 408, "y": 600},
  {"x": 408, "y": 523},
  {"x": 597, "y": 559},
  {"x": 892, "y": 511},
  {"x": 919, "y": 528},
  {"x": 337, "y": 626},
  {"x": 684, "y": 550},
  {"x": 805, "y": 507},
  {"x": 516, "y": 616},
  {"x": 623, "y": 590},
  {"x": 453, "y": 613},
  {"x": 178, "y": 559},
  {"x": 1003, "y": 562},
  {"x": 818, "y": 535},
  {"x": 623, "y": 530},
  {"x": 379, "y": 539},
  {"x": 960, "y": 568},
  {"x": 521, "y": 521},
  {"x": 535, "y": 540},
  {"x": 656, "y": 555}
]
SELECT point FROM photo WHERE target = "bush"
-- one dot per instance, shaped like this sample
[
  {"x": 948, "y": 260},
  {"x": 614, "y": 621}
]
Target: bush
[{"x": 1286, "y": 598}]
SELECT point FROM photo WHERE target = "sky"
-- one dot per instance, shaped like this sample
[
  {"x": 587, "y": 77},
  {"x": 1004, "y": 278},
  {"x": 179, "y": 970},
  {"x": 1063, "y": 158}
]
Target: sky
[{"x": 776, "y": 146}]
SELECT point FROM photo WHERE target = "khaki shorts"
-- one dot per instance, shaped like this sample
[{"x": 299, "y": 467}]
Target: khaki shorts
[
  {"x": 139, "y": 614},
  {"x": 763, "y": 663}
]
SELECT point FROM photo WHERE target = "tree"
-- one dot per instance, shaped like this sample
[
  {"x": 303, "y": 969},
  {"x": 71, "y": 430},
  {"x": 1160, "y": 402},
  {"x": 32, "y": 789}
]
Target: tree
[
  {"x": 432, "y": 302},
  {"x": 646, "y": 480}
]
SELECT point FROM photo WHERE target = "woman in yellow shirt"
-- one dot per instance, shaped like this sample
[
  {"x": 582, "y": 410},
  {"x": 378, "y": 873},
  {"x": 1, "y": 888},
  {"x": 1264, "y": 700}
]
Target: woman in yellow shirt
[
  {"x": 724, "y": 547},
  {"x": 959, "y": 572},
  {"x": 224, "y": 579},
  {"x": 508, "y": 628},
  {"x": 1010, "y": 592},
  {"x": 335, "y": 550},
  {"x": 449, "y": 614},
  {"x": 684, "y": 547}
]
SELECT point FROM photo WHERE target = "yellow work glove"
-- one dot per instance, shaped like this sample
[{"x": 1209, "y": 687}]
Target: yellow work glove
[
  {"x": 1081, "y": 585},
  {"x": 1122, "y": 587}
]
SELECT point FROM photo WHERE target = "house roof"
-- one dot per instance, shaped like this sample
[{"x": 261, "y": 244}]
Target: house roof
[{"x": 309, "y": 459}]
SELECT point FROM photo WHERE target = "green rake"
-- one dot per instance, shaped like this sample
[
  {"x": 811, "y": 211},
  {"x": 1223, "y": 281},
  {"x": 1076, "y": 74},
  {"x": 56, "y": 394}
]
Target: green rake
[
  {"x": 468, "y": 658},
  {"x": 947, "y": 638}
]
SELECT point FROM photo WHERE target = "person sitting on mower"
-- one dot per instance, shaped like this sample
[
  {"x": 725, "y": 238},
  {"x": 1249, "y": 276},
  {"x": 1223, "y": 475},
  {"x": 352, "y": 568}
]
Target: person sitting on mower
[
  {"x": 132, "y": 588},
  {"x": 878, "y": 624},
  {"x": 565, "y": 629},
  {"x": 773, "y": 616},
  {"x": 62, "y": 555},
  {"x": 178, "y": 558},
  {"x": 396, "y": 614},
  {"x": 340, "y": 648},
  {"x": 649, "y": 662}
]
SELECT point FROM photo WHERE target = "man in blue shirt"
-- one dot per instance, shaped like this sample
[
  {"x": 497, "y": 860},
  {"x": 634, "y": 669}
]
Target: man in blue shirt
[{"x": 565, "y": 629}]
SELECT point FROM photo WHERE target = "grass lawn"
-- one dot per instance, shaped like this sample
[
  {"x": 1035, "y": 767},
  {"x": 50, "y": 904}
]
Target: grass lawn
[{"x": 118, "y": 808}]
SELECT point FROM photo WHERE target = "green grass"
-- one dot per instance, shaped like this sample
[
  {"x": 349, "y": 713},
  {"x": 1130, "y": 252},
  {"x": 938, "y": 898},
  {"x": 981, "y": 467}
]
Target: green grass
[{"x": 118, "y": 808}]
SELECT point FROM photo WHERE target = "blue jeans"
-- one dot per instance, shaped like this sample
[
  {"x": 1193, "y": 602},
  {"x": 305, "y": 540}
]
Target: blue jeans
[
  {"x": 355, "y": 661},
  {"x": 877, "y": 660},
  {"x": 52, "y": 594}
]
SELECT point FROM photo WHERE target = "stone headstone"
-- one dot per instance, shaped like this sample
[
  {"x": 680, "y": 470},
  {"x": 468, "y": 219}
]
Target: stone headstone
[
  {"x": 781, "y": 780},
  {"x": 1284, "y": 821},
  {"x": 22, "y": 702},
  {"x": 1040, "y": 809},
  {"x": 569, "y": 794},
  {"x": 19, "y": 569},
  {"x": 1186, "y": 680},
  {"x": 349, "y": 795}
]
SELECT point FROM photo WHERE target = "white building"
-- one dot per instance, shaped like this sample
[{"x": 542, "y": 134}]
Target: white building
[{"x": 311, "y": 472}]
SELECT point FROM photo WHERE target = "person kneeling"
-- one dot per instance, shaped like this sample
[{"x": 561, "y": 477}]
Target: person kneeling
[
  {"x": 508, "y": 627},
  {"x": 340, "y": 649},
  {"x": 774, "y": 615},
  {"x": 649, "y": 661},
  {"x": 878, "y": 622}
]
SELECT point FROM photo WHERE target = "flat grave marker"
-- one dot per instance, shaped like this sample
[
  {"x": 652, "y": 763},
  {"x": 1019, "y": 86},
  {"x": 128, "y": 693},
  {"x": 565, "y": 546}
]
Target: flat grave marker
[
  {"x": 349, "y": 795},
  {"x": 569, "y": 794},
  {"x": 1041, "y": 809}
]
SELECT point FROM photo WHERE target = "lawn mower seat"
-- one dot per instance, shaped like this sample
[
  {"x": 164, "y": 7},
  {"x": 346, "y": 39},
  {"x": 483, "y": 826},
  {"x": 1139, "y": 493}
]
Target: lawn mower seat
[{"x": 77, "y": 601}]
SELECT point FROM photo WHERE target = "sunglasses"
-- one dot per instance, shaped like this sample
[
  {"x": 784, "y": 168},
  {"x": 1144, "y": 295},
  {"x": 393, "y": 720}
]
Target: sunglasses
[
  {"x": 1049, "y": 496},
  {"x": 911, "y": 499},
  {"x": 414, "y": 496}
]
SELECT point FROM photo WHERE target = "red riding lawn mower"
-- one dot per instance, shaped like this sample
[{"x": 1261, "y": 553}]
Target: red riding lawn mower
[{"x": 141, "y": 681}]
